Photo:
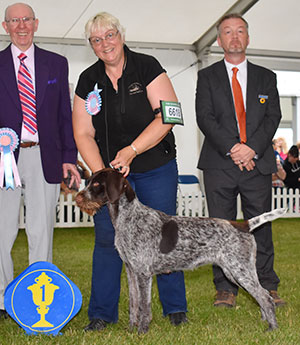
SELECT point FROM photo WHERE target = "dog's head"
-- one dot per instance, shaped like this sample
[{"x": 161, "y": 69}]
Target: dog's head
[{"x": 104, "y": 186}]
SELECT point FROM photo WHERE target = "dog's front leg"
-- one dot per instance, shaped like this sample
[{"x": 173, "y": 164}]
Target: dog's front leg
[
  {"x": 144, "y": 315},
  {"x": 133, "y": 297}
]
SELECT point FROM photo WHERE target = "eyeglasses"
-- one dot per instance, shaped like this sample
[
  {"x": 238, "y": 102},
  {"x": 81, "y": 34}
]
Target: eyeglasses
[
  {"x": 17, "y": 21},
  {"x": 96, "y": 41}
]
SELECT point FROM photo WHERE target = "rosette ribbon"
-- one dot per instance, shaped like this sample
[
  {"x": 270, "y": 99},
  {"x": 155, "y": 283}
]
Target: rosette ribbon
[
  {"x": 8, "y": 168},
  {"x": 93, "y": 101}
]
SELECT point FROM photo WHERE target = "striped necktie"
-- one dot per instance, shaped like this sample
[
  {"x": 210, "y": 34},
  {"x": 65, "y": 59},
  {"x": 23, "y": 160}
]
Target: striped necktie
[
  {"x": 27, "y": 96},
  {"x": 239, "y": 105}
]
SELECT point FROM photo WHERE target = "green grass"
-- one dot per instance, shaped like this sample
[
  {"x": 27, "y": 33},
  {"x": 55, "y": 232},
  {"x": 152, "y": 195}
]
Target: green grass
[{"x": 207, "y": 325}]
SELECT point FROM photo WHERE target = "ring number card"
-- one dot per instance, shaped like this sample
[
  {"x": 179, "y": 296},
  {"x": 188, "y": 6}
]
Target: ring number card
[{"x": 171, "y": 113}]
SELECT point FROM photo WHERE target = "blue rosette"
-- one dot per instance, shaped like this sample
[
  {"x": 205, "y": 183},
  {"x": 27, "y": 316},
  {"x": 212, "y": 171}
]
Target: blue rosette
[
  {"x": 9, "y": 141},
  {"x": 93, "y": 101}
]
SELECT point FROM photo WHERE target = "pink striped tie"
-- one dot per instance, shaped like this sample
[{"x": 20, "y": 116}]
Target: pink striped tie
[{"x": 27, "y": 96}]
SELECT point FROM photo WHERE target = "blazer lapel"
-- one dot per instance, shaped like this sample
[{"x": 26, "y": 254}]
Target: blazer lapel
[
  {"x": 7, "y": 70},
  {"x": 251, "y": 88},
  {"x": 222, "y": 75},
  {"x": 41, "y": 76}
]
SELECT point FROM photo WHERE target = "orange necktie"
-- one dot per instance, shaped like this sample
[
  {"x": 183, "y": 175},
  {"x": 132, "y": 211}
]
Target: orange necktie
[{"x": 239, "y": 105}]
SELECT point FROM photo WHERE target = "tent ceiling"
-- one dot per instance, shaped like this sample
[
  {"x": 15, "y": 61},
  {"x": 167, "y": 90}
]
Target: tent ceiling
[{"x": 274, "y": 24}]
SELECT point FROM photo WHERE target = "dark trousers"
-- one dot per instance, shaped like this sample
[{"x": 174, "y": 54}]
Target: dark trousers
[
  {"x": 222, "y": 188},
  {"x": 158, "y": 189}
]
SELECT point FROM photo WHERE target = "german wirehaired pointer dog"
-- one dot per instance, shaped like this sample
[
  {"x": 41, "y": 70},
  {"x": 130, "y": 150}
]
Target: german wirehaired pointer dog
[{"x": 151, "y": 242}]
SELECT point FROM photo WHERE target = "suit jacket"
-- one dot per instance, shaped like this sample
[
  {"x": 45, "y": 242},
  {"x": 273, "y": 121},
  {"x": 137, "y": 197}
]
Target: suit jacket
[
  {"x": 54, "y": 117},
  {"x": 216, "y": 116}
]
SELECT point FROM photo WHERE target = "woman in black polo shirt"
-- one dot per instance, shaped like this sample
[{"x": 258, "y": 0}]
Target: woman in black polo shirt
[{"x": 117, "y": 122}]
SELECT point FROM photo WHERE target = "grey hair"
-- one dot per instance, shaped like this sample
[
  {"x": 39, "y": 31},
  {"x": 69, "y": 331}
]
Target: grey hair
[
  {"x": 18, "y": 3},
  {"x": 229, "y": 16},
  {"x": 106, "y": 20}
]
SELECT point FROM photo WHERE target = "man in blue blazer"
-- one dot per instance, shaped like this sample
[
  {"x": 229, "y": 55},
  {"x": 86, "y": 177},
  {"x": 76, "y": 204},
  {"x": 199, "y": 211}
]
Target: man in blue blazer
[
  {"x": 45, "y": 154},
  {"x": 236, "y": 162}
]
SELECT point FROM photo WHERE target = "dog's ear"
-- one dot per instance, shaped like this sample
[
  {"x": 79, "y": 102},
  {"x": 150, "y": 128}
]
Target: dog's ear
[
  {"x": 114, "y": 186},
  {"x": 129, "y": 192}
]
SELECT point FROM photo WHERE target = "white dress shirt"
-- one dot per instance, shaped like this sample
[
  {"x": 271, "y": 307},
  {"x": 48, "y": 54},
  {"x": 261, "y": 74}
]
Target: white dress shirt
[{"x": 241, "y": 76}]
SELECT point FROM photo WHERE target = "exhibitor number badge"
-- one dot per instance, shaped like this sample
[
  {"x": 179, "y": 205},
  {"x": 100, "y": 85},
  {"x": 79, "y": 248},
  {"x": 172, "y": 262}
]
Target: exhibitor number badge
[{"x": 171, "y": 113}]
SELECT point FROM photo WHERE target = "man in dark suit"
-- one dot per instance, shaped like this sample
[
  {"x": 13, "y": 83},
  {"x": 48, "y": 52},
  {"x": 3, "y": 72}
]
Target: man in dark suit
[
  {"x": 237, "y": 155},
  {"x": 47, "y": 149}
]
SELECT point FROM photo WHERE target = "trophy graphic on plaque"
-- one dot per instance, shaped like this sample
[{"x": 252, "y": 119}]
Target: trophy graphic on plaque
[
  {"x": 42, "y": 295},
  {"x": 42, "y": 299}
]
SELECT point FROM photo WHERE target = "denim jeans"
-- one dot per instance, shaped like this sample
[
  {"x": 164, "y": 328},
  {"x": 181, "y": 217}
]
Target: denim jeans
[{"x": 158, "y": 189}]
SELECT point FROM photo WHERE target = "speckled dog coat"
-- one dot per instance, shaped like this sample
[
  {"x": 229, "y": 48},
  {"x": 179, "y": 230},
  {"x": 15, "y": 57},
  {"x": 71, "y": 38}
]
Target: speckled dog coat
[{"x": 151, "y": 242}]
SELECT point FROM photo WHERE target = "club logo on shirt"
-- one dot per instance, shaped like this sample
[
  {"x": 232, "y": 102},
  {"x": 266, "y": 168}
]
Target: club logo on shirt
[{"x": 135, "y": 88}]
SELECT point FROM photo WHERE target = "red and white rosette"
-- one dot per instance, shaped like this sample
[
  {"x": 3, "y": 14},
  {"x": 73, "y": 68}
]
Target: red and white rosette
[{"x": 9, "y": 141}]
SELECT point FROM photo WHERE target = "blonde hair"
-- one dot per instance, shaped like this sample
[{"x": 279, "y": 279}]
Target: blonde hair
[
  {"x": 282, "y": 145},
  {"x": 106, "y": 20}
]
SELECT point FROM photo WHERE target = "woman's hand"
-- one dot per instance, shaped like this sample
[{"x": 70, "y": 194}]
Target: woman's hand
[{"x": 123, "y": 160}]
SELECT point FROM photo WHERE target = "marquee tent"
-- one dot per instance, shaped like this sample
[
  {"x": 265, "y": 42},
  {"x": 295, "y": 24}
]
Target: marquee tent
[
  {"x": 274, "y": 24},
  {"x": 181, "y": 34}
]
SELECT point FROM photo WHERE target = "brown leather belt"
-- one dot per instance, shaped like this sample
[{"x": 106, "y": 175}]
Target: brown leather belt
[{"x": 29, "y": 144}]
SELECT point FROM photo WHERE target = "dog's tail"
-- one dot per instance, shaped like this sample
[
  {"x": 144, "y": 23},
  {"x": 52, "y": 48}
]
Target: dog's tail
[{"x": 255, "y": 222}]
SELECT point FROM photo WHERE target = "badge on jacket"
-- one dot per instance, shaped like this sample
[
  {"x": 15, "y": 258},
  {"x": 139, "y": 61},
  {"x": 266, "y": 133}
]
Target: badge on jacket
[{"x": 263, "y": 98}]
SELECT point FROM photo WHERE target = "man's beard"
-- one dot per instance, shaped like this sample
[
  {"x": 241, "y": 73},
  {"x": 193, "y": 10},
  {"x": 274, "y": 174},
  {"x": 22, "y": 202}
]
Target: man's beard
[{"x": 236, "y": 48}]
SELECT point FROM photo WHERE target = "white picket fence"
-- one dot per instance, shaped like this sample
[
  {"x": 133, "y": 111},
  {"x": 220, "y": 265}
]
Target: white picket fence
[
  {"x": 192, "y": 204},
  {"x": 68, "y": 215}
]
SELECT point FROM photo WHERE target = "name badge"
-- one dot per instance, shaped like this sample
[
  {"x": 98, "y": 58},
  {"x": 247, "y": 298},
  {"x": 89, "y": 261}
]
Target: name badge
[{"x": 171, "y": 113}]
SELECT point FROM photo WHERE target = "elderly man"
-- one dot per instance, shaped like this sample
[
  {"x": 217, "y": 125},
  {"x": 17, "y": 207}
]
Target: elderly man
[
  {"x": 35, "y": 103},
  {"x": 238, "y": 111}
]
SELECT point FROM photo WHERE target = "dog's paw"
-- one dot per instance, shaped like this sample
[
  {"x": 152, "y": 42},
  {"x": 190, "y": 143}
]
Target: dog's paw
[{"x": 143, "y": 328}]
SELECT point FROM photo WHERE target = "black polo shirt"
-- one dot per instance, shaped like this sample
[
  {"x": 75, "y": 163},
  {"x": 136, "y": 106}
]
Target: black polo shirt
[
  {"x": 292, "y": 174},
  {"x": 126, "y": 113}
]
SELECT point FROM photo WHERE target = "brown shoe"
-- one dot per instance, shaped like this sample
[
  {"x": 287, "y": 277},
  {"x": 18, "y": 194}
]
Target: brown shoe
[
  {"x": 224, "y": 299},
  {"x": 279, "y": 302}
]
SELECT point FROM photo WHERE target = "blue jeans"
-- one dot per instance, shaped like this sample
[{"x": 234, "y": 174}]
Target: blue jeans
[{"x": 158, "y": 189}]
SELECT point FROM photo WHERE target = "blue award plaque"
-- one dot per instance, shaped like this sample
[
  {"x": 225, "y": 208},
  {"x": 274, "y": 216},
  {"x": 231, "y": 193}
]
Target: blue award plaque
[{"x": 42, "y": 300}]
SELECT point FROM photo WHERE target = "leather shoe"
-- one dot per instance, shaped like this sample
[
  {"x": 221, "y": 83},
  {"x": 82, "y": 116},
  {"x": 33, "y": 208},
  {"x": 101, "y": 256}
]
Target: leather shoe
[
  {"x": 3, "y": 314},
  {"x": 96, "y": 325},
  {"x": 279, "y": 302},
  {"x": 224, "y": 299},
  {"x": 178, "y": 318}
]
